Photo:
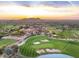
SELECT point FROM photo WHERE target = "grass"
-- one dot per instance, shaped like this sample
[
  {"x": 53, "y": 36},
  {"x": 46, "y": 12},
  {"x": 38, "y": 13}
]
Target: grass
[
  {"x": 67, "y": 47},
  {"x": 6, "y": 42}
]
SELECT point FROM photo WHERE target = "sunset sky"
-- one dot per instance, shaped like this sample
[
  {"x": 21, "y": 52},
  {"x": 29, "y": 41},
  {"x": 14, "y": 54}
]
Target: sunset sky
[{"x": 64, "y": 10}]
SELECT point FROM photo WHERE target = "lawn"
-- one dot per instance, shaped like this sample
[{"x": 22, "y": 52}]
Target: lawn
[
  {"x": 66, "y": 47},
  {"x": 6, "y": 42}
]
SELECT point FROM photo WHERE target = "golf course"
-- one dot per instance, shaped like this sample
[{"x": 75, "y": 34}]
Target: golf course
[
  {"x": 6, "y": 42},
  {"x": 40, "y": 42}
]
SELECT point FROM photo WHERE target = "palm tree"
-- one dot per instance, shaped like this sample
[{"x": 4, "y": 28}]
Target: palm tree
[{"x": 1, "y": 51}]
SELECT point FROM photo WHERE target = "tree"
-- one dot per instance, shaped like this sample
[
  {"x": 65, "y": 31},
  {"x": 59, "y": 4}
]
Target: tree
[{"x": 1, "y": 51}]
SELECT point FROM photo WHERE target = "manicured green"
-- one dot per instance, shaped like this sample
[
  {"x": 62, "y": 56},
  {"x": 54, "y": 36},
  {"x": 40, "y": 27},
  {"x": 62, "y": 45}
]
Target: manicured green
[
  {"x": 66, "y": 47},
  {"x": 5, "y": 42}
]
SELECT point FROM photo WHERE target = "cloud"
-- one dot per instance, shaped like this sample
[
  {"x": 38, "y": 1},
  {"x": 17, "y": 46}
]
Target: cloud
[{"x": 38, "y": 9}]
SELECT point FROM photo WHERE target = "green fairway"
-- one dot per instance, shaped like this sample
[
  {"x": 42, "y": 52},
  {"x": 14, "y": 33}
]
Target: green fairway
[
  {"x": 66, "y": 47},
  {"x": 6, "y": 42}
]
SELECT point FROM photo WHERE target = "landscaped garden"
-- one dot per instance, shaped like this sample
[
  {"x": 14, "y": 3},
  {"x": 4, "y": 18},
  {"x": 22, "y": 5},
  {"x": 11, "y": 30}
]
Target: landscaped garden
[{"x": 29, "y": 49}]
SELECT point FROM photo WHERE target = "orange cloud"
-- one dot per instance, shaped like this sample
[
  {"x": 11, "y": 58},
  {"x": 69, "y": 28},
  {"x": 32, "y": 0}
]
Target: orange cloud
[{"x": 45, "y": 12}]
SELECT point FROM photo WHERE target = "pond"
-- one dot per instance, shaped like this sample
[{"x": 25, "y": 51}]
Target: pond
[{"x": 55, "y": 56}]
